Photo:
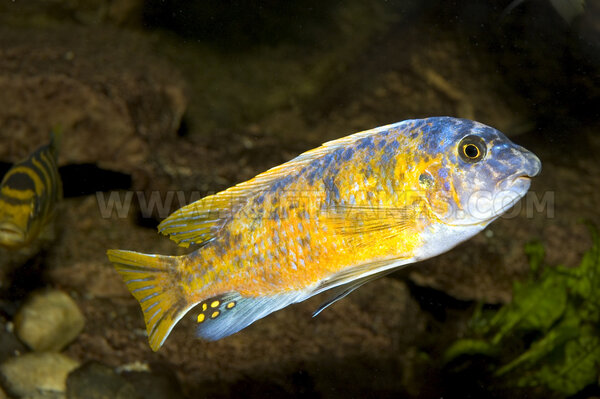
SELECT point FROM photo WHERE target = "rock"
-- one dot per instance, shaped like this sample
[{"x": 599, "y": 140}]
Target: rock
[
  {"x": 114, "y": 100},
  {"x": 37, "y": 375},
  {"x": 48, "y": 321},
  {"x": 159, "y": 383},
  {"x": 94, "y": 380}
]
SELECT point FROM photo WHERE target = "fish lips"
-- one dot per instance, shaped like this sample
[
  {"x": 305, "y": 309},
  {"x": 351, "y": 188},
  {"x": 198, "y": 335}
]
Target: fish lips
[
  {"x": 511, "y": 189},
  {"x": 11, "y": 234},
  {"x": 515, "y": 189}
]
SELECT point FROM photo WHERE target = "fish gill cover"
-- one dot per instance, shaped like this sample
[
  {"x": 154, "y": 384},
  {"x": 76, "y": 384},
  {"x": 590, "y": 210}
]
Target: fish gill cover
[{"x": 554, "y": 323}]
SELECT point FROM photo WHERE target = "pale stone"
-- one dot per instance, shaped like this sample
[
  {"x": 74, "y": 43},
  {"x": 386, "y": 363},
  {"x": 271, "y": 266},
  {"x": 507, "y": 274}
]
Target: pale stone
[
  {"x": 48, "y": 321},
  {"x": 37, "y": 375}
]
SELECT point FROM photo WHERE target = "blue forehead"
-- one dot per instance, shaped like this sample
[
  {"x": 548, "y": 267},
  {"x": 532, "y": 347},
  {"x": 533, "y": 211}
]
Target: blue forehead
[{"x": 437, "y": 134}]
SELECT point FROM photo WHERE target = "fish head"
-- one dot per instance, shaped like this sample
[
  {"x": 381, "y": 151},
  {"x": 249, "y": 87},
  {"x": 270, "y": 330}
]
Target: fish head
[
  {"x": 16, "y": 224},
  {"x": 480, "y": 174}
]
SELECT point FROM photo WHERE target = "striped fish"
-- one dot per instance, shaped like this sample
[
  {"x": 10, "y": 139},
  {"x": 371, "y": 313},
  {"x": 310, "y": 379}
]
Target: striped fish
[{"x": 29, "y": 193}]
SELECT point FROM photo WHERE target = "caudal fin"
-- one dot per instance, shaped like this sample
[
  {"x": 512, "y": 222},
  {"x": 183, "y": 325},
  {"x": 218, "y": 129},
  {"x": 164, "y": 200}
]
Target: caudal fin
[{"x": 150, "y": 279}]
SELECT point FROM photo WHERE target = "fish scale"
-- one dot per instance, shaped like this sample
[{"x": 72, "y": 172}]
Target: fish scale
[{"x": 333, "y": 218}]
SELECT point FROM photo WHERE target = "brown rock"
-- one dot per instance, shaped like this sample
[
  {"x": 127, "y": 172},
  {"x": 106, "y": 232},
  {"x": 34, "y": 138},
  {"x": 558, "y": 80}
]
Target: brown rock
[
  {"x": 97, "y": 381},
  {"x": 112, "y": 99}
]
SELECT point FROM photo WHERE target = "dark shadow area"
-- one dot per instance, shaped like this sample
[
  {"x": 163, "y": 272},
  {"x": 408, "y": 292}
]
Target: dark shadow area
[
  {"x": 149, "y": 222},
  {"x": 20, "y": 281},
  {"x": 85, "y": 179},
  {"x": 235, "y": 24},
  {"x": 592, "y": 391},
  {"x": 436, "y": 302},
  {"x": 184, "y": 127},
  {"x": 470, "y": 377},
  {"x": 550, "y": 62},
  {"x": 4, "y": 167},
  {"x": 353, "y": 376}
]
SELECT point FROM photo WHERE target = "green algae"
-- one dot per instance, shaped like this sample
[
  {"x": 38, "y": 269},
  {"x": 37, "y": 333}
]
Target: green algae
[{"x": 554, "y": 321}]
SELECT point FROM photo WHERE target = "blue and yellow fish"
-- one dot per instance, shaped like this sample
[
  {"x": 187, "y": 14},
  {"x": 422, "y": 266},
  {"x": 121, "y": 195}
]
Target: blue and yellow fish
[
  {"x": 335, "y": 218},
  {"x": 29, "y": 193}
]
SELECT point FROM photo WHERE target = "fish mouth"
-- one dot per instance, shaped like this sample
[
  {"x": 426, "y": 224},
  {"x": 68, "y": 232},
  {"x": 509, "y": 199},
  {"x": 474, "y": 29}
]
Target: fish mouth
[
  {"x": 516, "y": 189},
  {"x": 11, "y": 234}
]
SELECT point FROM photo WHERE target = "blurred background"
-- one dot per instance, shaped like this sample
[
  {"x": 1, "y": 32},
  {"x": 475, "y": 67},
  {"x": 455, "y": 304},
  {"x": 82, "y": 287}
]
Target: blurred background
[{"x": 160, "y": 95}]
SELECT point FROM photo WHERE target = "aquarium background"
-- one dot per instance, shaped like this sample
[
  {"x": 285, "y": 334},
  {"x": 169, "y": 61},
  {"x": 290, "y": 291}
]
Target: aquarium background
[{"x": 163, "y": 102}]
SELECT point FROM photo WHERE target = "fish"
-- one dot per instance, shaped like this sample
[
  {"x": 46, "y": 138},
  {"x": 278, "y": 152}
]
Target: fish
[
  {"x": 29, "y": 193},
  {"x": 333, "y": 218}
]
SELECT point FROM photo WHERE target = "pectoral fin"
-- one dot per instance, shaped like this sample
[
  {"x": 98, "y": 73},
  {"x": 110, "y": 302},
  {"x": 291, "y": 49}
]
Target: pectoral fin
[
  {"x": 342, "y": 291},
  {"x": 360, "y": 224},
  {"x": 348, "y": 280}
]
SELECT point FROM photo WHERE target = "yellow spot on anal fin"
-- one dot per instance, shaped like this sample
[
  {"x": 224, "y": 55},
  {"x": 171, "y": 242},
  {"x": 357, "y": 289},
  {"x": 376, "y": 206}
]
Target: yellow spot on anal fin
[
  {"x": 215, "y": 314},
  {"x": 230, "y": 305},
  {"x": 214, "y": 304},
  {"x": 204, "y": 307},
  {"x": 200, "y": 317}
]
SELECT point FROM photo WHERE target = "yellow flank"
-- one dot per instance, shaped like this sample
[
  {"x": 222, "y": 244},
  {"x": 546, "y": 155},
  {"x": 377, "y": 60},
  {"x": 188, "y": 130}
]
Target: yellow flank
[{"x": 292, "y": 241}]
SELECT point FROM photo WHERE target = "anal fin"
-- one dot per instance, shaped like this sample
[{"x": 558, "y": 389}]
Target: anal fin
[{"x": 226, "y": 314}]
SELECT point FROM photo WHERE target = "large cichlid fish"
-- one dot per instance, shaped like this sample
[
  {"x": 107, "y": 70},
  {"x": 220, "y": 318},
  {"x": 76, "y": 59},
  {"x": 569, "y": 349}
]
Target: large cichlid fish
[
  {"x": 29, "y": 193},
  {"x": 334, "y": 217}
]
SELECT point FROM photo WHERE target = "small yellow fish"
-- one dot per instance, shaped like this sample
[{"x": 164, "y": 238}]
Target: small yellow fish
[
  {"x": 29, "y": 193},
  {"x": 335, "y": 217}
]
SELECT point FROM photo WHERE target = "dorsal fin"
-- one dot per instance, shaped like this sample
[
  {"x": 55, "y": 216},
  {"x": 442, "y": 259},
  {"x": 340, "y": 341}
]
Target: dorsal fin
[
  {"x": 200, "y": 221},
  {"x": 55, "y": 141}
]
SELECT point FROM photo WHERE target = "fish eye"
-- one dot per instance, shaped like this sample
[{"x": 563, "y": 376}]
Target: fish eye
[
  {"x": 426, "y": 180},
  {"x": 471, "y": 149}
]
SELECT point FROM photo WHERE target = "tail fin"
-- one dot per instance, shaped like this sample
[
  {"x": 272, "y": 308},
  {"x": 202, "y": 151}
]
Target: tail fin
[{"x": 151, "y": 280}]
